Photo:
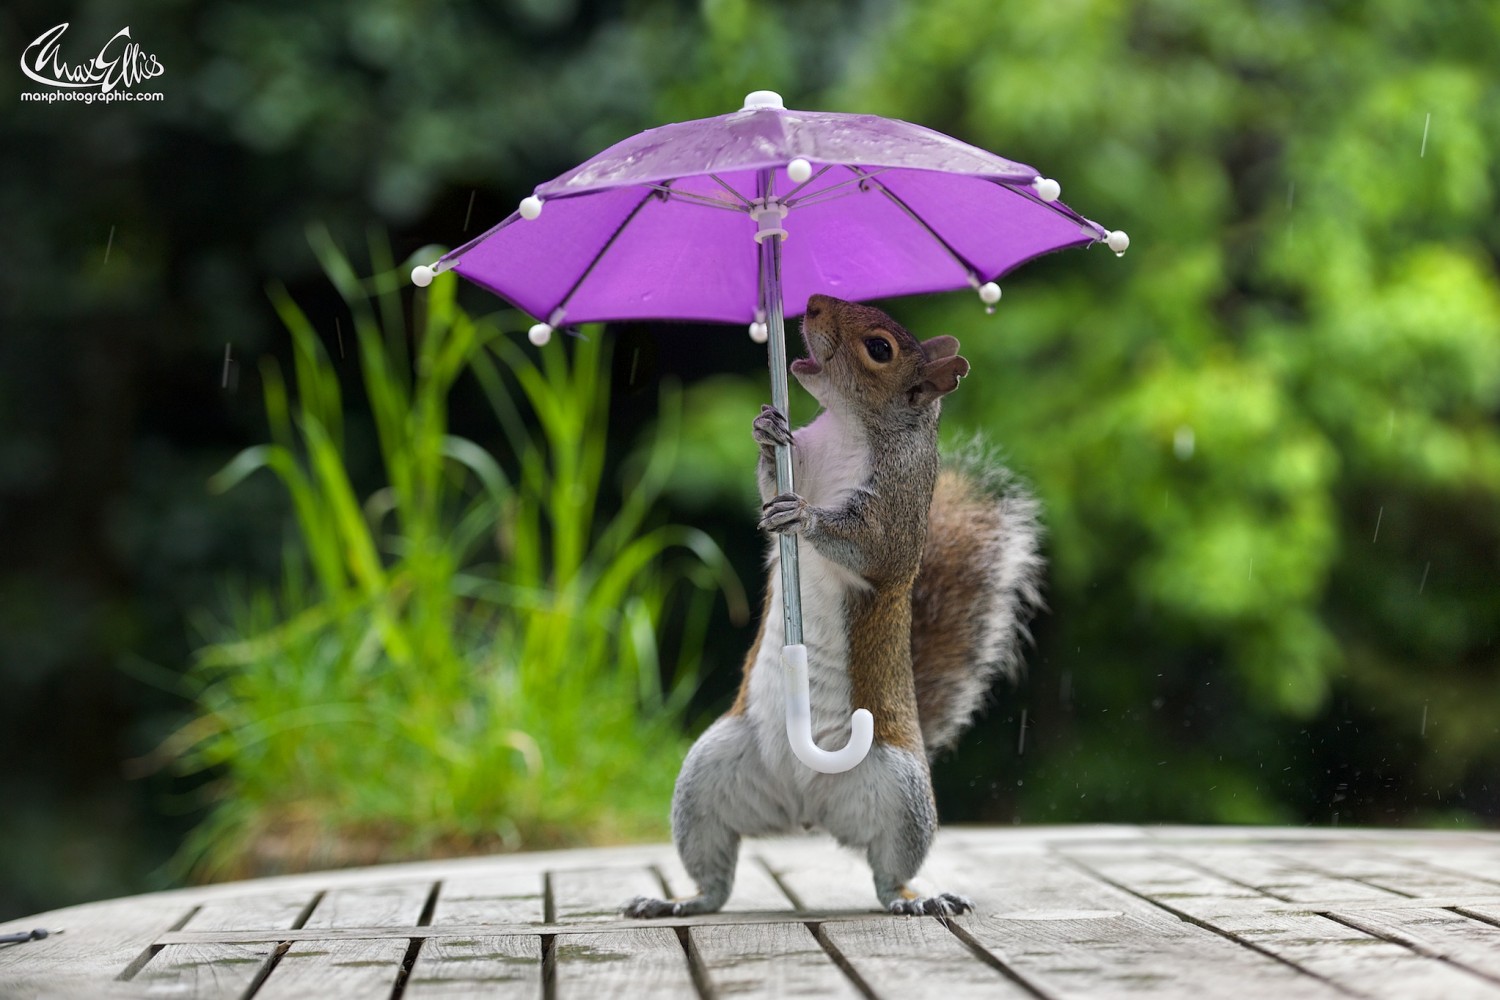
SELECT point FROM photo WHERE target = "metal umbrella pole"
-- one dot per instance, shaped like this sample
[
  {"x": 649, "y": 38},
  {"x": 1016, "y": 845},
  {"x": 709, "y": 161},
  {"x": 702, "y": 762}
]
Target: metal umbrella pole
[{"x": 768, "y": 215}]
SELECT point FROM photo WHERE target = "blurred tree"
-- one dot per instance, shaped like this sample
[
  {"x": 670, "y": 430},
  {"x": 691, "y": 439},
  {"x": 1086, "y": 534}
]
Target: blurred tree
[{"x": 1266, "y": 439}]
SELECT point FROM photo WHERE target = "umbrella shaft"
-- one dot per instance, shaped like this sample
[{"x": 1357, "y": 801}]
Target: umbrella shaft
[{"x": 770, "y": 293}]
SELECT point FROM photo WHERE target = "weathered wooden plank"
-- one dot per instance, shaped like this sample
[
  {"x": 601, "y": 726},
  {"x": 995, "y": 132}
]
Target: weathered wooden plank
[
  {"x": 395, "y": 905},
  {"x": 510, "y": 898},
  {"x": 1477, "y": 865},
  {"x": 595, "y": 895},
  {"x": 916, "y": 957},
  {"x": 822, "y": 876},
  {"x": 88, "y": 944},
  {"x": 630, "y": 962},
  {"x": 1275, "y": 874},
  {"x": 768, "y": 960},
  {"x": 477, "y": 967},
  {"x": 1471, "y": 943},
  {"x": 207, "y": 971},
  {"x": 1392, "y": 873},
  {"x": 1334, "y": 952},
  {"x": 754, "y": 889},
  {"x": 1069, "y": 934},
  {"x": 366, "y": 967},
  {"x": 276, "y": 911}
]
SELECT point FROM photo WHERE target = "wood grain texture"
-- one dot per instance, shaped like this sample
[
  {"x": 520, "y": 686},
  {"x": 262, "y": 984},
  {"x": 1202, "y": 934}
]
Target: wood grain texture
[
  {"x": 632, "y": 962},
  {"x": 768, "y": 960},
  {"x": 207, "y": 971},
  {"x": 509, "y": 898},
  {"x": 594, "y": 895},
  {"x": 915, "y": 957},
  {"x": 473, "y": 967},
  {"x": 276, "y": 911},
  {"x": 1344, "y": 956},
  {"x": 1177, "y": 913},
  {"x": 397, "y": 905},
  {"x": 366, "y": 967}
]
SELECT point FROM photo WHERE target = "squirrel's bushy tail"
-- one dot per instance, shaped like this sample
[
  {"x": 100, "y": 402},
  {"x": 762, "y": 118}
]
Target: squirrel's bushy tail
[{"x": 978, "y": 586}]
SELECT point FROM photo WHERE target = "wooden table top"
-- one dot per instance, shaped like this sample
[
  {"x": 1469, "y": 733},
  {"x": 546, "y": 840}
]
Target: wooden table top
[{"x": 1084, "y": 911}]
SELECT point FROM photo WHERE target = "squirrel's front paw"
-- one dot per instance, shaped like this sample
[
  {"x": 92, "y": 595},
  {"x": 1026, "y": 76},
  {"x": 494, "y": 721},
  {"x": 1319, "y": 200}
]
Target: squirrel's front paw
[
  {"x": 770, "y": 428},
  {"x": 786, "y": 512},
  {"x": 944, "y": 904}
]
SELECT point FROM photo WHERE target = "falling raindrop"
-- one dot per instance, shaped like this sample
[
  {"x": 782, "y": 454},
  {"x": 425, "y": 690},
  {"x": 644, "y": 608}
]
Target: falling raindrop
[
  {"x": 1424, "y": 718},
  {"x": 1425, "y": 126},
  {"x": 1021, "y": 738},
  {"x": 338, "y": 331},
  {"x": 1378, "y": 516},
  {"x": 1423, "y": 584},
  {"x": 231, "y": 376},
  {"x": 109, "y": 245},
  {"x": 470, "y": 212}
]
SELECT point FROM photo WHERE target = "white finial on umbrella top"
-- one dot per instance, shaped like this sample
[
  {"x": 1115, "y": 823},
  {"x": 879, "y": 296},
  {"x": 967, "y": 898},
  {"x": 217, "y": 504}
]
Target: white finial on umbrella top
[
  {"x": 1047, "y": 189},
  {"x": 530, "y": 207},
  {"x": 761, "y": 100}
]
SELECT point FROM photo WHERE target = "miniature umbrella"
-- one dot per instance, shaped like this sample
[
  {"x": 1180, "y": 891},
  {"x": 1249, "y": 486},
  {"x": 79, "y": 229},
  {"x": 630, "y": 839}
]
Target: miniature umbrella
[{"x": 719, "y": 219}]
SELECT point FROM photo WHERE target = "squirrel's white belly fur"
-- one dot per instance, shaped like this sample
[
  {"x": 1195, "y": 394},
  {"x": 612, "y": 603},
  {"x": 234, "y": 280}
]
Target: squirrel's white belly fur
[{"x": 834, "y": 459}]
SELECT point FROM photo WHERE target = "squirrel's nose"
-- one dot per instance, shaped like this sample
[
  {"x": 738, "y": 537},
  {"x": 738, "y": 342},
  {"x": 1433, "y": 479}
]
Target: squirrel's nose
[{"x": 815, "y": 305}]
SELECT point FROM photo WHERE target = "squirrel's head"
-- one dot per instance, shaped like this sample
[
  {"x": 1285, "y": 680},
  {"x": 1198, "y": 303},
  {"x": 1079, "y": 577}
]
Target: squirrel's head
[{"x": 860, "y": 357}]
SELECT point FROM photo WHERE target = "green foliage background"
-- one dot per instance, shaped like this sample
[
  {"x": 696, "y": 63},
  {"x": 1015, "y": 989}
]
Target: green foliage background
[{"x": 1266, "y": 438}]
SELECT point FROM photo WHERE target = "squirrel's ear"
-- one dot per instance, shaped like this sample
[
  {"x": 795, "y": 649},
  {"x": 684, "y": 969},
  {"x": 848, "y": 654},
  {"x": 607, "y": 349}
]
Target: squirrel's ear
[
  {"x": 939, "y": 348},
  {"x": 939, "y": 378}
]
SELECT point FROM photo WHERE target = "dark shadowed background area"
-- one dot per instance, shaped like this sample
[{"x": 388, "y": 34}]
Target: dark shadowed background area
[{"x": 1265, "y": 439}]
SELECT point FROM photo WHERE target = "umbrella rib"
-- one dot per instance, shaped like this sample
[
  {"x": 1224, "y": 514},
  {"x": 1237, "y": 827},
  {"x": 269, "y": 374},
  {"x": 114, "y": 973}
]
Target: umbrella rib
[
  {"x": 699, "y": 199},
  {"x": 911, "y": 214},
  {"x": 563, "y": 302},
  {"x": 727, "y": 187},
  {"x": 1057, "y": 207},
  {"x": 816, "y": 196}
]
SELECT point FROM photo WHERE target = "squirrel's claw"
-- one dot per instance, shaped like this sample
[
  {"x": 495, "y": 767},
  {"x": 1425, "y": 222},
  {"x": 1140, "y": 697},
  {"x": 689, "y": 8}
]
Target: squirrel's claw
[
  {"x": 784, "y": 512},
  {"x": 944, "y": 904},
  {"x": 770, "y": 428}
]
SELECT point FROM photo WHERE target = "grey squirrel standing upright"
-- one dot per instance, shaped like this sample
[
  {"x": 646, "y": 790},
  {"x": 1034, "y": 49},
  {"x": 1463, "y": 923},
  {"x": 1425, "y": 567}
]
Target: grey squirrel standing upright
[{"x": 916, "y": 586}]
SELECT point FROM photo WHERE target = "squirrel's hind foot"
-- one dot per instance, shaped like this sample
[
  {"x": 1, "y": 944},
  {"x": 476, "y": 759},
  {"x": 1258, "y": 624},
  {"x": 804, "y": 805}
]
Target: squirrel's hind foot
[
  {"x": 647, "y": 908},
  {"x": 944, "y": 904}
]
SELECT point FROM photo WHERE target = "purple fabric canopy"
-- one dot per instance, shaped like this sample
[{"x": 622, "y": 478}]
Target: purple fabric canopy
[{"x": 659, "y": 225}]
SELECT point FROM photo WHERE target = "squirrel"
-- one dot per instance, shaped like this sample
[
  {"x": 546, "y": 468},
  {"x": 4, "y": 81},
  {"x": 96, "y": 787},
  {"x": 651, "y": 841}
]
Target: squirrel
[{"x": 917, "y": 583}]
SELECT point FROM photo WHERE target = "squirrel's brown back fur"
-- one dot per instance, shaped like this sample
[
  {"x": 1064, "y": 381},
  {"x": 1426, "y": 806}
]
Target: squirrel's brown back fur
[{"x": 978, "y": 585}]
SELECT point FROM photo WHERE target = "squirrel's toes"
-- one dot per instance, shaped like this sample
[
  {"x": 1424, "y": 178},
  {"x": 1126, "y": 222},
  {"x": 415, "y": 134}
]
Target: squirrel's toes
[
  {"x": 646, "y": 908},
  {"x": 944, "y": 904}
]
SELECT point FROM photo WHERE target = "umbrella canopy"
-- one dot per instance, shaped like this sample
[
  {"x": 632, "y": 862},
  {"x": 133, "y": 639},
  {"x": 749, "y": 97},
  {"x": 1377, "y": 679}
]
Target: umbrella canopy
[{"x": 661, "y": 225}]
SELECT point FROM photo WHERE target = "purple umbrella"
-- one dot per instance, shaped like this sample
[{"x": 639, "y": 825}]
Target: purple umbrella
[{"x": 720, "y": 219}]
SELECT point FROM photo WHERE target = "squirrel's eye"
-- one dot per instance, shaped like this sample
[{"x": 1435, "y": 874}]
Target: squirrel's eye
[{"x": 878, "y": 348}]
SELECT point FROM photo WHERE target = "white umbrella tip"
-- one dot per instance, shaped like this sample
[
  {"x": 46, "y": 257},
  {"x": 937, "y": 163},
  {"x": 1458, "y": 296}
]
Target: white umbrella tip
[
  {"x": 531, "y": 207},
  {"x": 539, "y": 334},
  {"x": 760, "y": 332},
  {"x": 756, "y": 100},
  {"x": 421, "y": 276},
  {"x": 1118, "y": 242},
  {"x": 1047, "y": 189},
  {"x": 799, "y": 170}
]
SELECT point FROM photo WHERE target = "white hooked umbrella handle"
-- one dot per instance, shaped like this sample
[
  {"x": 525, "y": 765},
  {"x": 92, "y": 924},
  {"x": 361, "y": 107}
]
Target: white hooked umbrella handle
[{"x": 799, "y": 721}]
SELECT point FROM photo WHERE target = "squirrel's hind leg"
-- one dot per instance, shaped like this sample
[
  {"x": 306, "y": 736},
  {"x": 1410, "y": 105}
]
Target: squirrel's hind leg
[{"x": 717, "y": 798}]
